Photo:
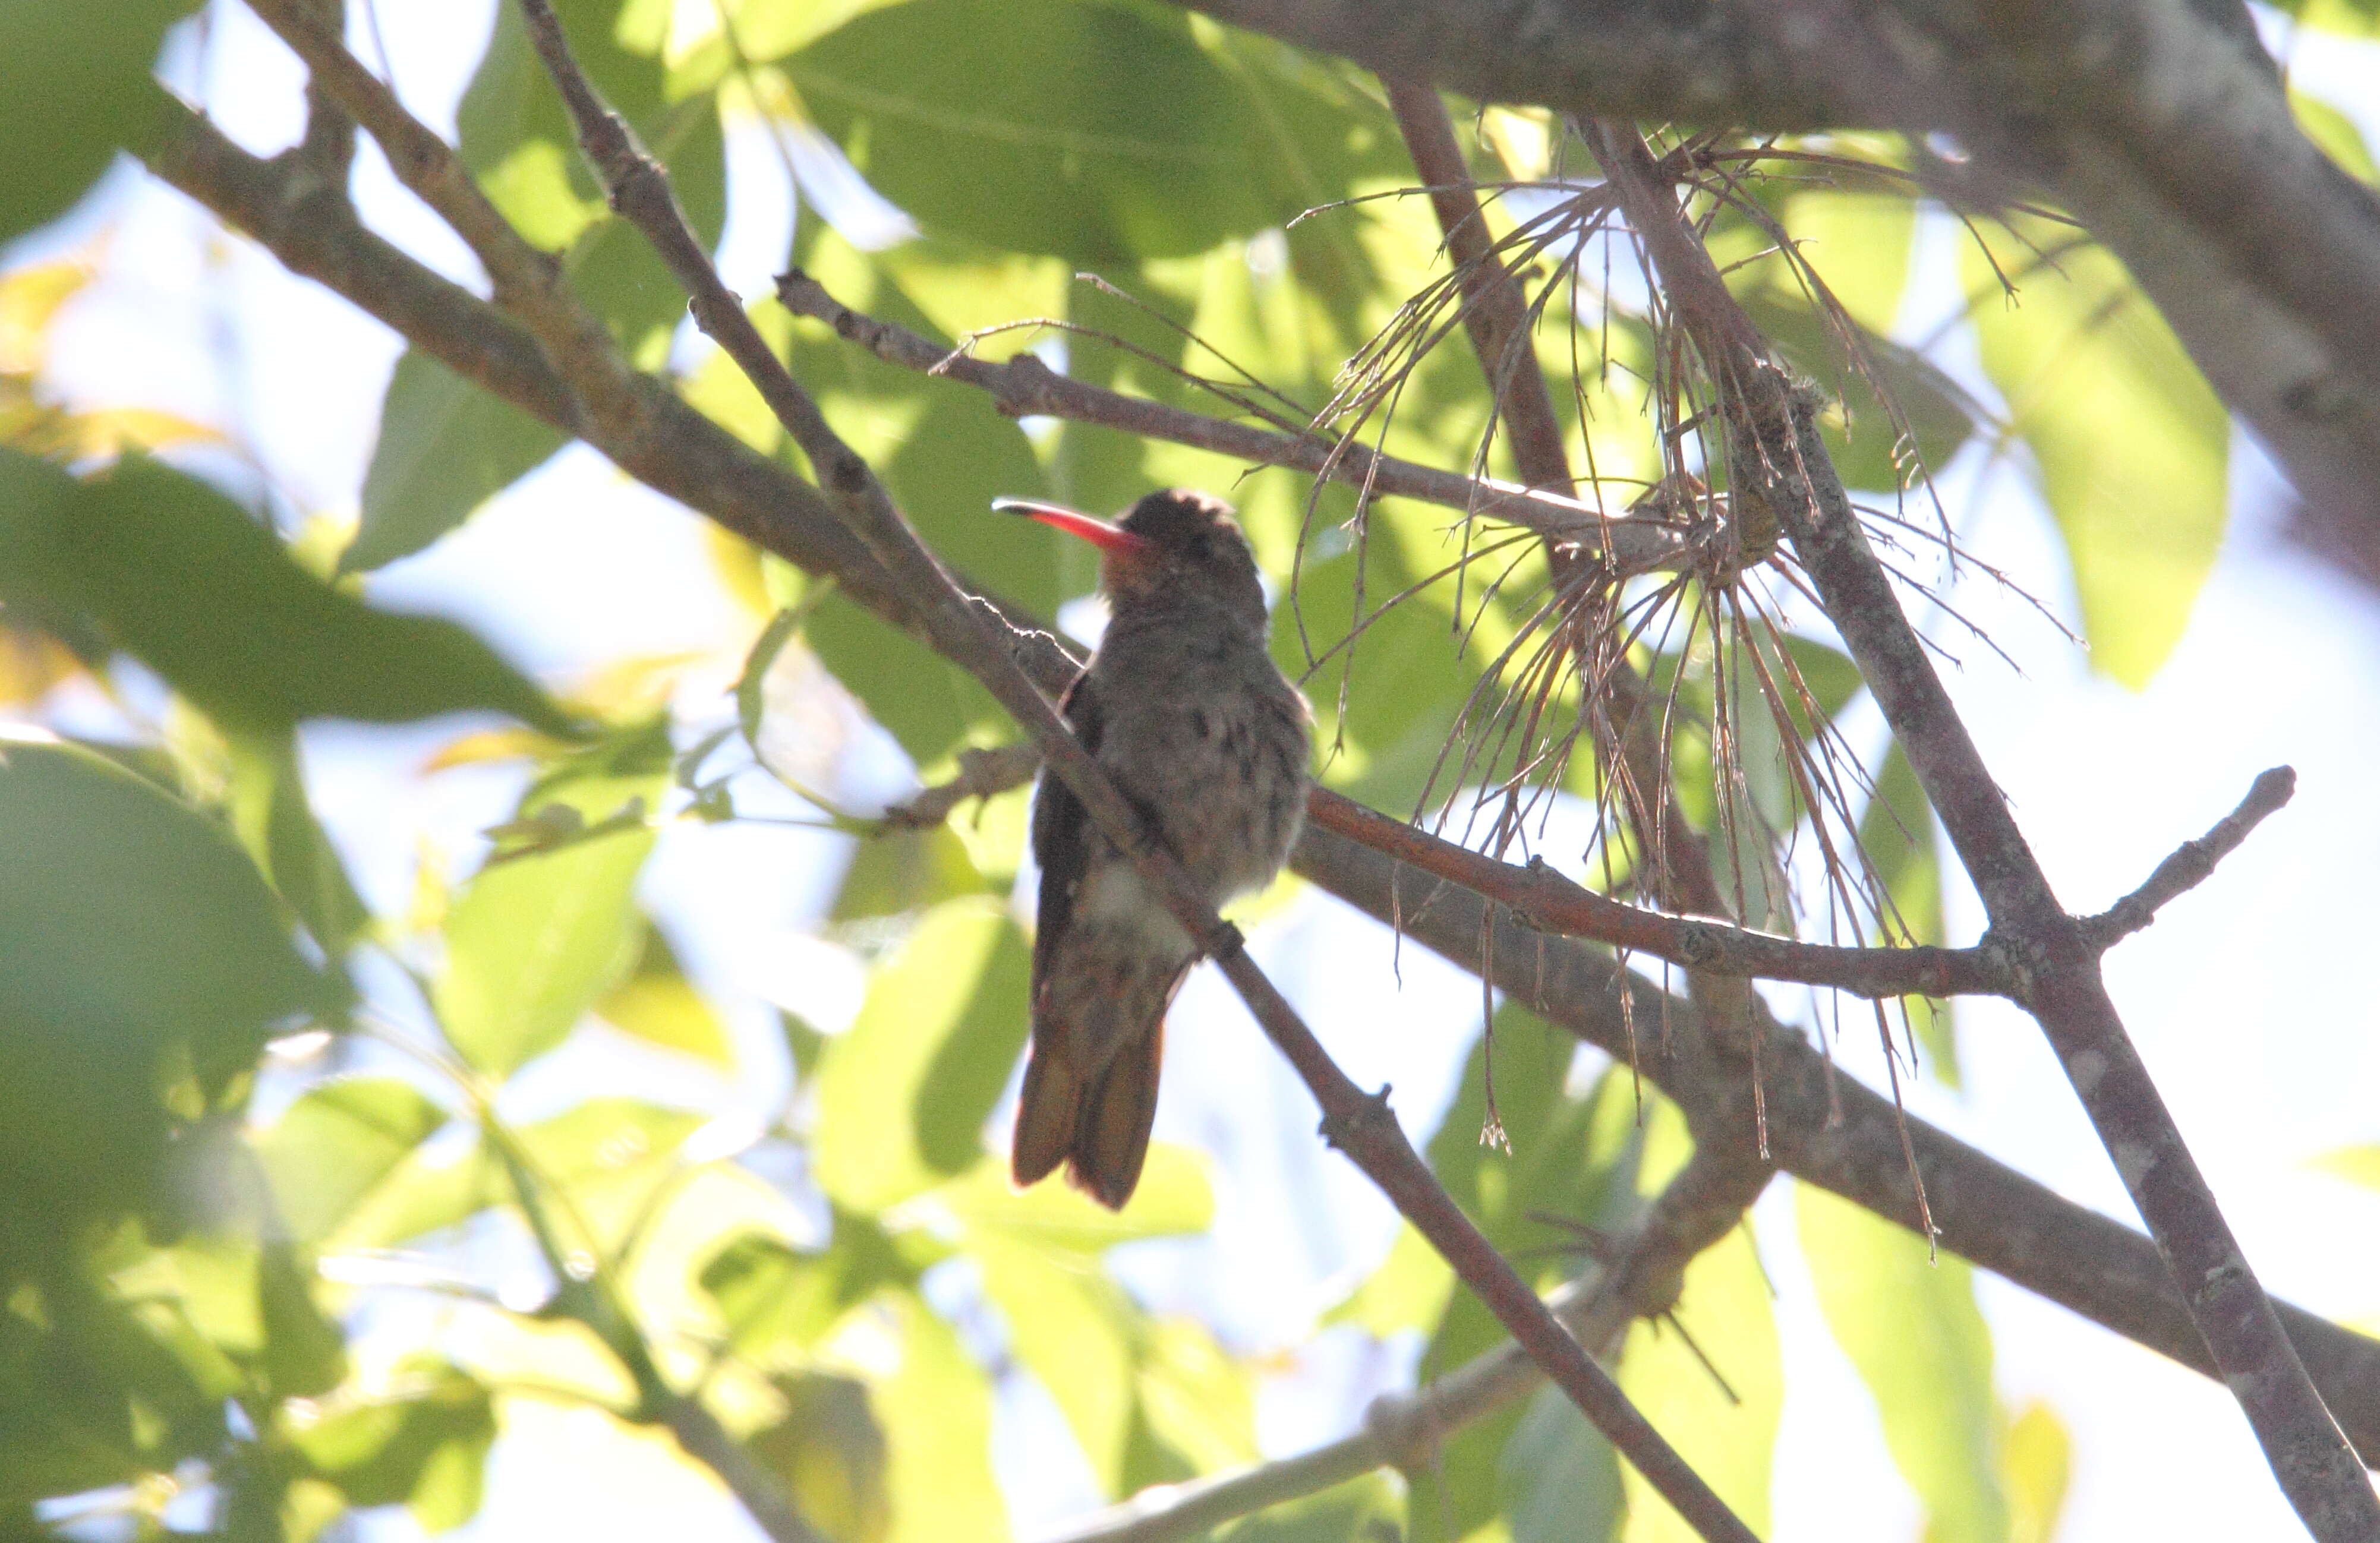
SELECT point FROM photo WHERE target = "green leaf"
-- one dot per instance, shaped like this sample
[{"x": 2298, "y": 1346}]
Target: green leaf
[
  {"x": 77, "y": 80},
  {"x": 659, "y": 1006},
  {"x": 2036, "y": 1458},
  {"x": 424, "y": 1444},
  {"x": 276, "y": 822},
  {"x": 332, "y": 1147},
  {"x": 1559, "y": 1478},
  {"x": 139, "y": 938},
  {"x": 1912, "y": 1328},
  {"x": 830, "y": 1452},
  {"x": 901, "y": 870},
  {"x": 1363, "y": 1510},
  {"x": 514, "y": 133},
  {"x": 447, "y": 446},
  {"x": 2354, "y": 19},
  {"x": 1726, "y": 1308},
  {"x": 904, "y": 1092},
  {"x": 1093, "y": 132},
  {"x": 1562, "y": 1157},
  {"x": 1073, "y": 1328},
  {"x": 937, "y": 1415},
  {"x": 1896, "y": 834},
  {"x": 305, "y": 1355},
  {"x": 536, "y": 940},
  {"x": 1174, "y": 1198},
  {"x": 769, "y": 1293},
  {"x": 2337, "y": 134},
  {"x": 1859, "y": 429},
  {"x": 177, "y": 574},
  {"x": 2132, "y": 445}
]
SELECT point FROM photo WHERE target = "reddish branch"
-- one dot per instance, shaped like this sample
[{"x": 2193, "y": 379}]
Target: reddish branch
[
  {"x": 2057, "y": 965},
  {"x": 1551, "y": 903}
]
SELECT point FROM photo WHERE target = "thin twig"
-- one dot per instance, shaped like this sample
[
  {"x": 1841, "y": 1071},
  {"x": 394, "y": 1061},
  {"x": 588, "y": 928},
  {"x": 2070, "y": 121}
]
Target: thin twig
[
  {"x": 1024, "y": 388},
  {"x": 982, "y": 774},
  {"x": 1358, "y": 1124},
  {"x": 2191, "y": 863}
]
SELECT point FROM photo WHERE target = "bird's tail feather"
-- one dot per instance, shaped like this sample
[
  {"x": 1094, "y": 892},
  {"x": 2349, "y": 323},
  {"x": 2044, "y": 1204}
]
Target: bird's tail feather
[
  {"x": 1099, "y": 1128},
  {"x": 1111, "y": 1130}
]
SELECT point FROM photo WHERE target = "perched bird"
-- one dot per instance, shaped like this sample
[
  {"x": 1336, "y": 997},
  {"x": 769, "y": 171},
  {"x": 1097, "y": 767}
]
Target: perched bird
[{"x": 1185, "y": 709}]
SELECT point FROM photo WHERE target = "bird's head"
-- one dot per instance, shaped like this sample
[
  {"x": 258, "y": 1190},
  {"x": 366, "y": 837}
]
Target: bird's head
[{"x": 1177, "y": 547}]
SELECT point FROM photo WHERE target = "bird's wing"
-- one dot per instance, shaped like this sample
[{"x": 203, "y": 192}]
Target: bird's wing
[{"x": 1062, "y": 834}]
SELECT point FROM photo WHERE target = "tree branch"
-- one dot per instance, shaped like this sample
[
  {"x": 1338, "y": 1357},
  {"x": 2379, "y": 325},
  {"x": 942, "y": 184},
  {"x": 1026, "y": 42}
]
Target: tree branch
[
  {"x": 2060, "y": 981},
  {"x": 1551, "y": 903},
  {"x": 1639, "y": 1277},
  {"x": 1825, "y": 1128},
  {"x": 2192, "y": 864},
  {"x": 1024, "y": 386},
  {"x": 1358, "y": 1124},
  {"x": 1829, "y": 1130}
]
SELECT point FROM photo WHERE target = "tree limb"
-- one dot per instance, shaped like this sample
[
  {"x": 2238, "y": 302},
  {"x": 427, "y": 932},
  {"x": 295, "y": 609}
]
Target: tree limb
[{"x": 2191, "y": 863}]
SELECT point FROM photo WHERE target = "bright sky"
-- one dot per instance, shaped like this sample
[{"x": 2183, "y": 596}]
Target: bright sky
[{"x": 2250, "y": 998}]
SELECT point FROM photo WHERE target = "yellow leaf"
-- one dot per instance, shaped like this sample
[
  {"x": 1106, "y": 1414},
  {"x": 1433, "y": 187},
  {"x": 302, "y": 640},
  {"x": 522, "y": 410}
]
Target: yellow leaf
[{"x": 29, "y": 300}]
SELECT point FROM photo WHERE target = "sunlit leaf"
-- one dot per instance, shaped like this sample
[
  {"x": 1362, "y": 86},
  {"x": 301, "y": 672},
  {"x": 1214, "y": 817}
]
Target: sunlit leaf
[
  {"x": 536, "y": 940},
  {"x": 1726, "y": 1310},
  {"x": 1896, "y": 832},
  {"x": 659, "y": 1006},
  {"x": 2133, "y": 444},
  {"x": 1174, "y": 1197},
  {"x": 904, "y": 1092},
  {"x": 936, "y": 1414},
  {"x": 1912, "y": 1328},
  {"x": 1073, "y": 1328},
  {"x": 336, "y": 1144},
  {"x": 829, "y": 1452},
  {"x": 901, "y": 870},
  {"x": 2037, "y": 1459},
  {"x": 2337, "y": 134},
  {"x": 1093, "y": 132},
  {"x": 769, "y": 1293},
  {"x": 2355, "y": 1164},
  {"x": 424, "y": 1443},
  {"x": 305, "y": 1355},
  {"x": 270, "y": 811}
]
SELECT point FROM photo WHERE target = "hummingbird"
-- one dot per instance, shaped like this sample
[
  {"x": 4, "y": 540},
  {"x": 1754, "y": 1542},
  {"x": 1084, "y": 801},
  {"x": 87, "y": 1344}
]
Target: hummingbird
[{"x": 1184, "y": 708}]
